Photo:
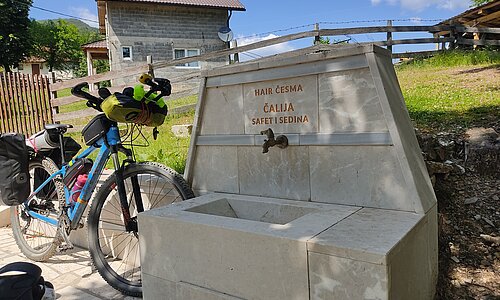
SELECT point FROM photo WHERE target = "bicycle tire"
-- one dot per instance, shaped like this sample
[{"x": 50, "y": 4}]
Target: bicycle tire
[
  {"x": 36, "y": 239},
  {"x": 106, "y": 232}
]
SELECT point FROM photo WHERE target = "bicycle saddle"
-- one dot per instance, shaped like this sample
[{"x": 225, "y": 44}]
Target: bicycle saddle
[{"x": 58, "y": 127}]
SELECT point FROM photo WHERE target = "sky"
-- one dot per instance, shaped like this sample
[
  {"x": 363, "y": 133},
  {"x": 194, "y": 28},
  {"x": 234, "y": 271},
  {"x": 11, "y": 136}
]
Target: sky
[{"x": 265, "y": 19}]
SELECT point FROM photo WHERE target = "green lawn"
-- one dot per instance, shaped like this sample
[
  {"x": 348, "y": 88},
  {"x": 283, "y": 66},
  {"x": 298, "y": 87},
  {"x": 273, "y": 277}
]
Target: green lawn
[
  {"x": 453, "y": 94},
  {"x": 442, "y": 97}
]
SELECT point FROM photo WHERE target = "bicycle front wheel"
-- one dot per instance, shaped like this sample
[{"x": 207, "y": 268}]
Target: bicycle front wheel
[
  {"x": 38, "y": 239},
  {"x": 115, "y": 251}
]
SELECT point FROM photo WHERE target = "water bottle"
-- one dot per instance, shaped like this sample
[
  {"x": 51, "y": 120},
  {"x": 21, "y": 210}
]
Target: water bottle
[{"x": 77, "y": 188}]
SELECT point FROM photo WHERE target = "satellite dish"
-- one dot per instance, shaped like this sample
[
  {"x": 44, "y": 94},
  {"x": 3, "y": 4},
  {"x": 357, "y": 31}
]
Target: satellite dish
[{"x": 225, "y": 34}]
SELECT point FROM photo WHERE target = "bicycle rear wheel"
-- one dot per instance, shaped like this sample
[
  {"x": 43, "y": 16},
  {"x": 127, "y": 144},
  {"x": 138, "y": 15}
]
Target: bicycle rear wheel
[
  {"x": 36, "y": 239},
  {"x": 114, "y": 251}
]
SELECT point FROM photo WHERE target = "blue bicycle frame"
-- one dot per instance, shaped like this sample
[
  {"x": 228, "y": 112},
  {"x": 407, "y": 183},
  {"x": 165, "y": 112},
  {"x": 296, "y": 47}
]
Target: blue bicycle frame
[{"x": 75, "y": 212}]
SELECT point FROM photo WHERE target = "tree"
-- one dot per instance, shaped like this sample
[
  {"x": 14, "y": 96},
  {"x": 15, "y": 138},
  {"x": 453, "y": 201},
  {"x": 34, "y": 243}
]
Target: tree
[
  {"x": 480, "y": 2},
  {"x": 14, "y": 32},
  {"x": 58, "y": 43}
]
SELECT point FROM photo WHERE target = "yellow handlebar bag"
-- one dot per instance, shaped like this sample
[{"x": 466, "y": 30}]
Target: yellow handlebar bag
[{"x": 124, "y": 109}]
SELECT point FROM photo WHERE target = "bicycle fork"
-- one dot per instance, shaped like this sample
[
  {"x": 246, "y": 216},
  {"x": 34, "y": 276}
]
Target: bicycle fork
[{"x": 129, "y": 222}]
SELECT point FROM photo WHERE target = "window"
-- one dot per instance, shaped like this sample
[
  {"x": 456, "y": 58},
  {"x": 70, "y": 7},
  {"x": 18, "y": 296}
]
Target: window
[
  {"x": 20, "y": 67},
  {"x": 127, "y": 52},
  {"x": 180, "y": 53}
]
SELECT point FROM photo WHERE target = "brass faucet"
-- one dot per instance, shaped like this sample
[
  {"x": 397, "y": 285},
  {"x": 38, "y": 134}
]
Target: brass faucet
[{"x": 281, "y": 141}]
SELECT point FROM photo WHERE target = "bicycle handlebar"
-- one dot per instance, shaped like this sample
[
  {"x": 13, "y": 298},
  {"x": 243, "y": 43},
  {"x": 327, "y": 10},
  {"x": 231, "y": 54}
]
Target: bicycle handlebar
[
  {"x": 92, "y": 101},
  {"x": 161, "y": 85}
]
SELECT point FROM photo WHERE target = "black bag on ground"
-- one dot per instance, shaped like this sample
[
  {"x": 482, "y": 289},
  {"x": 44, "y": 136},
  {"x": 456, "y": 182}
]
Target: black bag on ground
[
  {"x": 21, "y": 281},
  {"x": 14, "y": 172}
]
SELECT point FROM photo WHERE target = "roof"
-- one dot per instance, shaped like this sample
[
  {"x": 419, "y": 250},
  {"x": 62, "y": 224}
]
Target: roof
[
  {"x": 96, "y": 45},
  {"x": 216, "y": 4},
  {"x": 33, "y": 59},
  {"x": 223, "y": 4},
  {"x": 487, "y": 15}
]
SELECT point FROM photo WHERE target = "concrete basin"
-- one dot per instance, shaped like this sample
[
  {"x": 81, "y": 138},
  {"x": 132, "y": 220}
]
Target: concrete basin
[
  {"x": 266, "y": 212},
  {"x": 211, "y": 232}
]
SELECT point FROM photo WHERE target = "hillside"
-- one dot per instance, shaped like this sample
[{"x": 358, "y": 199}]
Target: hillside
[
  {"x": 82, "y": 26},
  {"x": 454, "y": 101}
]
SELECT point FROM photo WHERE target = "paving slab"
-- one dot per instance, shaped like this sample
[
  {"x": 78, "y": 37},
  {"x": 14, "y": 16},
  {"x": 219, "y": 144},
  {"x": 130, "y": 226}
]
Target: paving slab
[{"x": 70, "y": 272}]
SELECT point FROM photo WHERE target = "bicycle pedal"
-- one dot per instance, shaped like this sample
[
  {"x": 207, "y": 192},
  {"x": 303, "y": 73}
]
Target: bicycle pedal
[{"x": 63, "y": 248}]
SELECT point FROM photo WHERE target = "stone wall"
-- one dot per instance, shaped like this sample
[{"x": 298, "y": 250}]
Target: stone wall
[{"x": 156, "y": 30}]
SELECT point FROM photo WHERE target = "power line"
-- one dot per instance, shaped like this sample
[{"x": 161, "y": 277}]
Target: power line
[
  {"x": 63, "y": 14},
  {"x": 55, "y": 12},
  {"x": 342, "y": 22}
]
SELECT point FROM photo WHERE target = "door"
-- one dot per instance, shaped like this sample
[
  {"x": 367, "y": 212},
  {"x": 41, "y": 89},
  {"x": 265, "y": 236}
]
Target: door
[{"x": 35, "y": 69}]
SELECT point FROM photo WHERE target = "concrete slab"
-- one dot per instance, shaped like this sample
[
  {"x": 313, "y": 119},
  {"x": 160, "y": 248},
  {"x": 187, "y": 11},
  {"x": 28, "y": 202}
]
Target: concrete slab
[
  {"x": 72, "y": 293},
  {"x": 333, "y": 277},
  {"x": 368, "y": 235}
]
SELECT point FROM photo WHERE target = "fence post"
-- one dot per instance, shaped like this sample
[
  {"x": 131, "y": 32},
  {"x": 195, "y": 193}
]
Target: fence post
[
  {"x": 436, "y": 36},
  {"x": 53, "y": 94},
  {"x": 149, "y": 60},
  {"x": 236, "y": 55},
  {"x": 389, "y": 36},
  {"x": 4, "y": 126},
  {"x": 317, "y": 38}
]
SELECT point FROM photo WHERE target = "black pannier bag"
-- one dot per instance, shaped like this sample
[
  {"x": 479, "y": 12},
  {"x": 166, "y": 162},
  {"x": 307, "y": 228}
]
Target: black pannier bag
[
  {"x": 71, "y": 148},
  {"x": 14, "y": 169},
  {"x": 22, "y": 281}
]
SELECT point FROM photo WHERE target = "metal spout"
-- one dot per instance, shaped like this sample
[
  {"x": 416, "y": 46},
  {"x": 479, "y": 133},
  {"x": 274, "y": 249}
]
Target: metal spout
[{"x": 281, "y": 141}]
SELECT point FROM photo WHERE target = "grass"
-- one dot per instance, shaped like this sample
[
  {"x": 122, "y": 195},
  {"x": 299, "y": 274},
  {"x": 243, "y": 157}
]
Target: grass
[
  {"x": 452, "y": 91},
  {"x": 455, "y": 58}
]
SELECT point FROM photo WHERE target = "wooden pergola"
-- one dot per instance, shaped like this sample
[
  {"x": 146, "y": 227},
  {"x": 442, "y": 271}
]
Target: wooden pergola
[
  {"x": 95, "y": 51},
  {"x": 486, "y": 15}
]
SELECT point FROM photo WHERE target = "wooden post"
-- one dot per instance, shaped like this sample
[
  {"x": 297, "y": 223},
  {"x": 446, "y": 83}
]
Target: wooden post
[
  {"x": 452, "y": 35},
  {"x": 53, "y": 94},
  {"x": 317, "y": 38},
  {"x": 5, "y": 119},
  {"x": 476, "y": 37},
  {"x": 436, "y": 36},
  {"x": 149, "y": 60},
  {"x": 389, "y": 36},
  {"x": 236, "y": 55}
]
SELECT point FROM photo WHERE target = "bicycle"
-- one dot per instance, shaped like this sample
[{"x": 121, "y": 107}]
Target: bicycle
[{"x": 42, "y": 224}]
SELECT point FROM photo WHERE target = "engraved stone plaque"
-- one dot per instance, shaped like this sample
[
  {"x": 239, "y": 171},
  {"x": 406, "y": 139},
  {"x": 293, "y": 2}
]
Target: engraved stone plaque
[{"x": 285, "y": 105}]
